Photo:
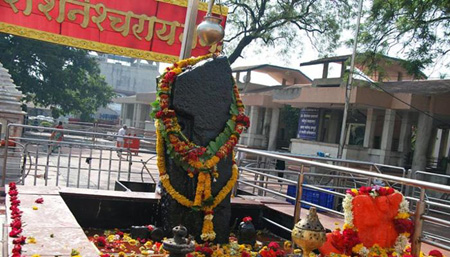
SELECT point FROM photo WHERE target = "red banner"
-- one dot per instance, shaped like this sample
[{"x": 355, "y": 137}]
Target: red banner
[{"x": 146, "y": 29}]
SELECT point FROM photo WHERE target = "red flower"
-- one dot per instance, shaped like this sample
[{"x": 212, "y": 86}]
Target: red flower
[
  {"x": 39, "y": 200},
  {"x": 404, "y": 225},
  {"x": 247, "y": 219},
  {"x": 101, "y": 241},
  {"x": 350, "y": 240},
  {"x": 170, "y": 76},
  {"x": 268, "y": 253},
  {"x": 105, "y": 255},
  {"x": 16, "y": 224},
  {"x": 365, "y": 190},
  {"x": 150, "y": 228},
  {"x": 15, "y": 202},
  {"x": 17, "y": 249},
  {"x": 159, "y": 114},
  {"x": 337, "y": 240},
  {"x": 435, "y": 253},
  {"x": 12, "y": 185},
  {"x": 12, "y": 192},
  {"x": 279, "y": 253},
  {"x": 274, "y": 245},
  {"x": 15, "y": 232},
  {"x": 21, "y": 240},
  {"x": 390, "y": 191},
  {"x": 245, "y": 254}
]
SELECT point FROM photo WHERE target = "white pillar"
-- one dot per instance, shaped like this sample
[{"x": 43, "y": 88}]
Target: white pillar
[
  {"x": 254, "y": 117},
  {"x": 140, "y": 118},
  {"x": 424, "y": 129},
  {"x": 404, "y": 144},
  {"x": 133, "y": 122},
  {"x": 273, "y": 129},
  {"x": 369, "y": 132},
  {"x": 447, "y": 145},
  {"x": 436, "y": 145},
  {"x": 387, "y": 135},
  {"x": 266, "y": 125},
  {"x": 124, "y": 113}
]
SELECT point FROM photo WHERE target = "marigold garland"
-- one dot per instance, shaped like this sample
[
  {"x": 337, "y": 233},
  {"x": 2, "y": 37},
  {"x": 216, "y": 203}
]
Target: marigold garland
[{"x": 196, "y": 160}]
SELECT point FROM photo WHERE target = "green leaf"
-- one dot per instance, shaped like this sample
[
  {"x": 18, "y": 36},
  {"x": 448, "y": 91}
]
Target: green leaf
[
  {"x": 234, "y": 110},
  {"x": 221, "y": 139},
  {"x": 213, "y": 146},
  {"x": 155, "y": 104},
  {"x": 231, "y": 124},
  {"x": 196, "y": 208}
]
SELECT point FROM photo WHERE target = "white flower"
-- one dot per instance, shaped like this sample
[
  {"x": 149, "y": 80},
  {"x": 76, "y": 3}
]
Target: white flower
[
  {"x": 364, "y": 252},
  {"x": 404, "y": 206},
  {"x": 347, "y": 204},
  {"x": 400, "y": 244}
]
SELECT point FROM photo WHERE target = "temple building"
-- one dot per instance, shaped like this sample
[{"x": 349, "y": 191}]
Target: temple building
[{"x": 394, "y": 117}]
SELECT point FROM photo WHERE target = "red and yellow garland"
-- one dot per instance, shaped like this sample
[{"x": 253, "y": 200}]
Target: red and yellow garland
[{"x": 196, "y": 160}]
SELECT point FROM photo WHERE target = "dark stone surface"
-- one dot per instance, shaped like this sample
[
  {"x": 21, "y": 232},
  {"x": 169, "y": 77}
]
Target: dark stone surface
[{"x": 201, "y": 98}]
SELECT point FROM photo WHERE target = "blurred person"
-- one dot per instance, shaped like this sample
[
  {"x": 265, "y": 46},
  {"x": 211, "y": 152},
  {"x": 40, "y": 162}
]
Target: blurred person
[
  {"x": 120, "y": 140},
  {"x": 57, "y": 136}
]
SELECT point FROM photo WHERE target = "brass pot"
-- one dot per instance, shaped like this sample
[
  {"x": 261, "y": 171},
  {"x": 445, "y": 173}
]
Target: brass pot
[
  {"x": 309, "y": 234},
  {"x": 210, "y": 31}
]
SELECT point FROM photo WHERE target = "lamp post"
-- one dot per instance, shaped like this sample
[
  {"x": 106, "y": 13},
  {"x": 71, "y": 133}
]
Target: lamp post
[{"x": 348, "y": 87}]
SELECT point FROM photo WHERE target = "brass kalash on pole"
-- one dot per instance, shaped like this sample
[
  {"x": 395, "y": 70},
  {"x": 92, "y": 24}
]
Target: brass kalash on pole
[{"x": 209, "y": 31}]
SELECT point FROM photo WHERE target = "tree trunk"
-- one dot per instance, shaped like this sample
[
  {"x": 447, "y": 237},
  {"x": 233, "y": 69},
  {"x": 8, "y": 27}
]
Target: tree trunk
[{"x": 245, "y": 41}]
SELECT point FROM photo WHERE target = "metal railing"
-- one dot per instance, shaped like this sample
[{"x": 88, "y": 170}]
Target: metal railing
[
  {"x": 76, "y": 161},
  {"x": 268, "y": 182},
  {"x": 370, "y": 166}
]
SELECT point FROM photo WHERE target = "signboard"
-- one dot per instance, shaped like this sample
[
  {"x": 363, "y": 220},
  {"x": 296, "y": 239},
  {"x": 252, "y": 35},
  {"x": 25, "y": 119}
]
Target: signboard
[
  {"x": 145, "y": 29},
  {"x": 308, "y": 124}
]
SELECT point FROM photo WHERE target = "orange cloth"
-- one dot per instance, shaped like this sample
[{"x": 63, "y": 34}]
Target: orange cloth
[{"x": 374, "y": 219}]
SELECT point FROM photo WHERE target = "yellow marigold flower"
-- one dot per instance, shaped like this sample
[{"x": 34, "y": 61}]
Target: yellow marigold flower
[
  {"x": 122, "y": 254},
  {"x": 297, "y": 251},
  {"x": 35, "y": 255},
  {"x": 347, "y": 226},
  {"x": 35, "y": 208},
  {"x": 148, "y": 244},
  {"x": 177, "y": 70},
  {"x": 357, "y": 248},
  {"x": 110, "y": 238},
  {"x": 31, "y": 240},
  {"x": 402, "y": 215},
  {"x": 354, "y": 190},
  {"x": 132, "y": 242},
  {"x": 406, "y": 234}
]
